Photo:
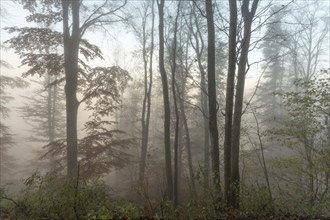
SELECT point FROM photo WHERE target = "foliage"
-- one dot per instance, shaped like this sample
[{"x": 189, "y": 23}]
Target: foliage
[
  {"x": 308, "y": 109},
  {"x": 6, "y": 137},
  {"x": 43, "y": 111},
  {"x": 8, "y": 82},
  {"x": 102, "y": 88},
  {"x": 56, "y": 197},
  {"x": 255, "y": 199},
  {"x": 103, "y": 147},
  {"x": 306, "y": 134},
  {"x": 98, "y": 153},
  {"x": 41, "y": 49}
]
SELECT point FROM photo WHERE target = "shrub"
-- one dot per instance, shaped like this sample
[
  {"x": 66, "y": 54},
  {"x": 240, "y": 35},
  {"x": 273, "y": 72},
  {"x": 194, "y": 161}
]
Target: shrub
[{"x": 56, "y": 197}]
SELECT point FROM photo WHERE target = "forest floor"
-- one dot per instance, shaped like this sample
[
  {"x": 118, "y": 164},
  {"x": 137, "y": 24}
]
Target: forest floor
[
  {"x": 239, "y": 217},
  {"x": 251, "y": 216}
]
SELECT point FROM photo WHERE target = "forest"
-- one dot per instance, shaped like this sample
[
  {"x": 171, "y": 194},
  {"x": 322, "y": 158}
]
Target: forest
[{"x": 165, "y": 109}]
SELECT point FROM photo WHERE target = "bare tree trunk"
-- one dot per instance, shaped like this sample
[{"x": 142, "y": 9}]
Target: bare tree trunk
[
  {"x": 71, "y": 50},
  {"x": 213, "y": 102},
  {"x": 167, "y": 116},
  {"x": 176, "y": 109},
  {"x": 145, "y": 121},
  {"x": 248, "y": 17},
  {"x": 230, "y": 97}
]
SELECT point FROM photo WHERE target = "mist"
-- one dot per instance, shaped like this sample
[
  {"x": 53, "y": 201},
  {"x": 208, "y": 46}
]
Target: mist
[{"x": 160, "y": 109}]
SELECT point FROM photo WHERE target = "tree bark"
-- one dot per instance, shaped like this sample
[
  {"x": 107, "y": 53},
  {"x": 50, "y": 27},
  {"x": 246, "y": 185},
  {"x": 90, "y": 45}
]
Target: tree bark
[
  {"x": 213, "y": 102},
  {"x": 71, "y": 50},
  {"x": 234, "y": 175},
  {"x": 230, "y": 97},
  {"x": 176, "y": 109},
  {"x": 167, "y": 116},
  {"x": 146, "y": 108}
]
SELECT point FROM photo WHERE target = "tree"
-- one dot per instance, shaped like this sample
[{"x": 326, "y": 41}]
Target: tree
[
  {"x": 167, "y": 114},
  {"x": 199, "y": 48},
  {"x": 306, "y": 132},
  {"x": 212, "y": 100},
  {"x": 71, "y": 41},
  {"x": 232, "y": 137},
  {"x": 176, "y": 108},
  {"x": 6, "y": 137},
  {"x": 147, "y": 56},
  {"x": 44, "y": 112},
  {"x": 67, "y": 12},
  {"x": 230, "y": 98},
  {"x": 306, "y": 44},
  {"x": 273, "y": 52}
]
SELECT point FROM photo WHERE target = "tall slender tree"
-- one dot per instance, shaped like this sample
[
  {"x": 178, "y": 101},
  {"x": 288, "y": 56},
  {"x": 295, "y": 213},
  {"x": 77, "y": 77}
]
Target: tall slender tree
[
  {"x": 167, "y": 114},
  {"x": 71, "y": 41},
  {"x": 273, "y": 50},
  {"x": 230, "y": 97},
  {"x": 44, "y": 112},
  {"x": 6, "y": 137},
  {"x": 74, "y": 28},
  {"x": 248, "y": 13},
  {"x": 212, "y": 98},
  {"x": 176, "y": 108},
  {"x": 146, "y": 106}
]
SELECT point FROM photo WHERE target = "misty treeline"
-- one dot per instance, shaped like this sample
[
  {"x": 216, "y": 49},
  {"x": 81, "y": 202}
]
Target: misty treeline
[{"x": 179, "y": 125}]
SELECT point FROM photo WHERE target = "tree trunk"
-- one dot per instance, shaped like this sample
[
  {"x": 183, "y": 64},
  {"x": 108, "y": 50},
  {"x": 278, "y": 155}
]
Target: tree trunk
[
  {"x": 167, "y": 116},
  {"x": 213, "y": 102},
  {"x": 176, "y": 109},
  {"x": 147, "y": 98},
  {"x": 234, "y": 175},
  {"x": 71, "y": 50},
  {"x": 230, "y": 97}
]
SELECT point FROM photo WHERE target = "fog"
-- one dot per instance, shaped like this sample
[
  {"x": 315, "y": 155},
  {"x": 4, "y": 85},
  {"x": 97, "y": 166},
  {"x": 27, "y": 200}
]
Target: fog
[{"x": 95, "y": 92}]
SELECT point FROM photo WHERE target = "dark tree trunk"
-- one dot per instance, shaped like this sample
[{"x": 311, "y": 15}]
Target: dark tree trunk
[
  {"x": 230, "y": 97},
  {"x": 176, "y": 109},
  {"x": 248, "y": 17},
  {"x": 71, "y": 50},
  {"x": 167, "y": 116},
  {"x": 213, "y": 101},
  {"x": 147, "y": 98}
]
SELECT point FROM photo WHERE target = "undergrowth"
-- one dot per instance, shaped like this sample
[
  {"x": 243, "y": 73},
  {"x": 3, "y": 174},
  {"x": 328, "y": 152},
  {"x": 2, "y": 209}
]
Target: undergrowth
[{"x": 57, "y": 197}]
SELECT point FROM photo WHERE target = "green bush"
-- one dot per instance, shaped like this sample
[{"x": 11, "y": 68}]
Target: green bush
[
  {"x": 255, "y": 199},
  {"x": 55, "y": 197}
]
